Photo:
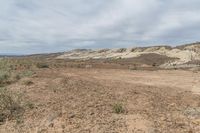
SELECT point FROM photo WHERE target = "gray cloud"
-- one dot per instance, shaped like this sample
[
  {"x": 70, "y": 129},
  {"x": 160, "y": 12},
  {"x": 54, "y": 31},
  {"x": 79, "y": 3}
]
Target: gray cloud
[{"x": 47, "y": 26}]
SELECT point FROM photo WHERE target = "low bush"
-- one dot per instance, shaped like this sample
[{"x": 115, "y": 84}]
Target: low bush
[
  {"x": 9, "y": 106},
  {"x": 118, "y": 108},
  {"x": 42, "y": 65},
  {"x": 27, "y": 73},
  {"x": 4, "y": 77}
]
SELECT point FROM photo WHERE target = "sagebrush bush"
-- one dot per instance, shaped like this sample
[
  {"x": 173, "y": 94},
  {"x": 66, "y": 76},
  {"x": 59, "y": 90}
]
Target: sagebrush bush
[
  {"x": 42, "y": 65},
  {"x": 118, "y": 108},
  {"x": 5, "y": 64},
  {"x": 9, "y": 106},
  {"x": 26, "y": 73},
  {"x": 4, "y": 77}
]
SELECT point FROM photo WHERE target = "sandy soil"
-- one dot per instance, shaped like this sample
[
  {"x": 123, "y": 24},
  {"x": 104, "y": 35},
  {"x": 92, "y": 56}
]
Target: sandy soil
[{"x": 81, "y": 101}]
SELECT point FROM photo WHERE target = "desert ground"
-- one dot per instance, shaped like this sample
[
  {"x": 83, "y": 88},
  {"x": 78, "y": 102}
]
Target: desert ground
[
  {"x": 70, "y": 98},
  {"x": 139, "y": 90}
]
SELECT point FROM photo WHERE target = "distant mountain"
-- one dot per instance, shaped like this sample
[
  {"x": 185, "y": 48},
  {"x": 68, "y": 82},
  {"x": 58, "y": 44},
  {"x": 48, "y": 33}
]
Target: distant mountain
[{"x": 45, "y": 55}]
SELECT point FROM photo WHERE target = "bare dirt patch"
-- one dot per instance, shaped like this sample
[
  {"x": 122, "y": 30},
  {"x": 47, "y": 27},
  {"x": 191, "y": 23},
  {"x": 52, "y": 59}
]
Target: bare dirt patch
[{"x": 81, "y": 101}]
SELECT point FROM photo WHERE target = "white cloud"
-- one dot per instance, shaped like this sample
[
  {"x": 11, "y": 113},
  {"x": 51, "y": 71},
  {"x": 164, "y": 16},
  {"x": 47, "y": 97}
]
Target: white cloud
[{"x": 34, "y": 25}]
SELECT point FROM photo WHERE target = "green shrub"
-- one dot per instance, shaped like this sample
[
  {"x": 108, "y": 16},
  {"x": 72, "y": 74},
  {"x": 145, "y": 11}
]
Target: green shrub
[
  {"x": 118, "y": 108},
  {"x": 4, "y": 77},
  {"x": 42, "y": 65},
  {"x": 27, "y": 73},
  {"x": 9, "y": 106},
  {"x": 5, "y": 64}
]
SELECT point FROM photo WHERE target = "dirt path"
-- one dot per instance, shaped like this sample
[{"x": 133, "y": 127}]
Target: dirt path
[{"x": 81, "y": 101}]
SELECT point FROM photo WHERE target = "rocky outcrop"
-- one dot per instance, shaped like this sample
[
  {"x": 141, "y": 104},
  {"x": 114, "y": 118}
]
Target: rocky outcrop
[{"x": 183, "y": 54}]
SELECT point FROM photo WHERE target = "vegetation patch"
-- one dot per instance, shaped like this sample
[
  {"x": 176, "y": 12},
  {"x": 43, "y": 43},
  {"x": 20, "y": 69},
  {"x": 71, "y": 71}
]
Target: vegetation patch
[
  {"x": 4, "y": 78},
  {"x": 42, "y": 65},
  {"x": 27, "y": 73},
  {"x": 30, "y": 105},
  {"x": 28, "y": 82},
  {"x": 10, "y": 107},
  {"x": 118, "y": 108}
]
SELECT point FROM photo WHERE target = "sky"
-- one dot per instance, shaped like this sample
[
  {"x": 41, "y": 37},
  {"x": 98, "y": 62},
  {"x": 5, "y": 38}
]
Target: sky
[{"x": 38, "y": 26}]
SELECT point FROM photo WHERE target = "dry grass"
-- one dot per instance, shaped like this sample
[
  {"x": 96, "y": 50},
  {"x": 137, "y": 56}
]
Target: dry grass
[
  {"x": 4, "y": 77},
  {"x": 12, "y": 70},
  {"x": 28, "y": 82},
  {"x": 10, "y": 107}
]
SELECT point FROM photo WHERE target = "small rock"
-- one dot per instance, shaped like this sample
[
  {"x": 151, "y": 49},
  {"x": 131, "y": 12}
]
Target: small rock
[
  {"x": 51, "y": 125},
  {"x": 92, "y": 113},
  {"x": 71, "y": 115},
  {"x": 163, "y": 118},
  {"x": 196, "y": 122}
]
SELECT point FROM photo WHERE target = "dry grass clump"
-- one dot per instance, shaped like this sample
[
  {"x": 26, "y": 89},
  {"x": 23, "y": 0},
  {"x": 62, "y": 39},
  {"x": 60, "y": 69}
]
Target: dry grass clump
[
  {"x": 28, "y": 82},
  {"x": 27, "y": 73},
  {"x": 12, "y": 70},
  {"x": 7, "y": 77},
  {"x": 10, "y": 107}
]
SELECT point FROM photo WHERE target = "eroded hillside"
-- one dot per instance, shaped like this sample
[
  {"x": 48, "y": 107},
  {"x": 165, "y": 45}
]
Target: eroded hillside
[{"x": 180, "y": 55}]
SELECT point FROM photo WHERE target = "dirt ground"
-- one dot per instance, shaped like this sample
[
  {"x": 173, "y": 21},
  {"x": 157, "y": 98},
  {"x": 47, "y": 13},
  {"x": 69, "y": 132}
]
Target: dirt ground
[{"x": 76, "y": 100}]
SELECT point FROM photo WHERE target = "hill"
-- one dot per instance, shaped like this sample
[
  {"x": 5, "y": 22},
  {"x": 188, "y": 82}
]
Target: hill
[{"x": 165, "y": 56}]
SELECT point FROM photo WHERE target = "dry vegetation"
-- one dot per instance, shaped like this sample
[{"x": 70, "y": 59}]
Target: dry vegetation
[{"x": 97, "y": 96}]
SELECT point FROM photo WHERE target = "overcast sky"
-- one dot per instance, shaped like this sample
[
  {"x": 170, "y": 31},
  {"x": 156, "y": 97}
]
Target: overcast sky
[{"x": 35, "y": 26}]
